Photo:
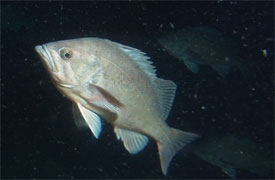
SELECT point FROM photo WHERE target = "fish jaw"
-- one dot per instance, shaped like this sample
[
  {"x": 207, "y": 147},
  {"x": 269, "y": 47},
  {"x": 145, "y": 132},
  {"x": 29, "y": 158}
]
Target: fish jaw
[
  {"x": 55, "y": 68},
  {"x": 46, "y": 57}
]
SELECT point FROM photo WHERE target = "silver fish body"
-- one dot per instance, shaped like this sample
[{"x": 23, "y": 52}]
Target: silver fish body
[{"x": 118, "y": 83}]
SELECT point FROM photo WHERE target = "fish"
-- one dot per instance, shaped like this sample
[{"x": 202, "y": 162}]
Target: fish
[
  {"x": 231, "y": 152},
  {"x": 118, "y": 84},
  {"x": 203, "y": 45}
]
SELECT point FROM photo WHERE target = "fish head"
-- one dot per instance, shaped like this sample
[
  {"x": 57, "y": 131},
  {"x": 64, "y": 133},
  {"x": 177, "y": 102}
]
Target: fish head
[{"x": 69, "y": 62}]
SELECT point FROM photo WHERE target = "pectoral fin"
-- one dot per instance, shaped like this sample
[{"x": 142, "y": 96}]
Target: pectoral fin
[
  {"x": 92, "y": 119},
  {"x": 230, "y": 171},
  {"x": 133, "y": 141},
  {"x": 103, "y": 99},
  {"x": 78, "y": 118},
  {"x": 192, "y": 66},
  {"x": 190, "y": 60}
]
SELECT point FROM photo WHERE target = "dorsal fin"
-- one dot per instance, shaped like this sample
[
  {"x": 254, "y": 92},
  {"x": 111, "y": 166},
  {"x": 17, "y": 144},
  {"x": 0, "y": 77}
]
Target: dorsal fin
[
  {"x": 139, "y": 57},
  {"x": 166, "y": 88},
  {"x": 166, "y": 91}
]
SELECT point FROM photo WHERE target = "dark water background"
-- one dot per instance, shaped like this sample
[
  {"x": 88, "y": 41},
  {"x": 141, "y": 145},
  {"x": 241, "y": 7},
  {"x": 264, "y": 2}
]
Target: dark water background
[{"x": 38, "y": 135}]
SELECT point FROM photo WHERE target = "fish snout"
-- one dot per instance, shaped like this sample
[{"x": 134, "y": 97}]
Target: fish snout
[{"x": 46, "y": 57}]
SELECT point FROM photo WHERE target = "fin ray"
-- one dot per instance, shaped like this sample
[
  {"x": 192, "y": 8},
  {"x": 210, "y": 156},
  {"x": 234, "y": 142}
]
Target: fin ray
[
  {"x": 133, "y": 142},
  {"x": 167, "y": 149},
  {"x": 139, "y": 57},
  {"x": 92, "y": 119},
  {"x": 166, "y": 91},
  {"x": 78, "y": 118}
]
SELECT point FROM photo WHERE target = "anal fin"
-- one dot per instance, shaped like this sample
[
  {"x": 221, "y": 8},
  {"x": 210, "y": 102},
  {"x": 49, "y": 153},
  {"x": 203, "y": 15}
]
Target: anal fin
[{"x": 134, "y": 142}]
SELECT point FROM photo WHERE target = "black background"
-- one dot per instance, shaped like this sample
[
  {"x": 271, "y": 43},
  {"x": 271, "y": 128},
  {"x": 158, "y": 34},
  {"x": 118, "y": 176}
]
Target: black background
[{"x": 38, "y": 136}]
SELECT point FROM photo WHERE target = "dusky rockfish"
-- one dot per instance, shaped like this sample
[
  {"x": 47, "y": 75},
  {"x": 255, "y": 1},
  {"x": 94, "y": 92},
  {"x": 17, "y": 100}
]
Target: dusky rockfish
[
  {"x": 204, "y": 45},
  {"x": 117, "y": 83}
]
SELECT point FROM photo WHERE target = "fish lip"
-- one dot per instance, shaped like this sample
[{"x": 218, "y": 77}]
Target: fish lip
[
  {"x": 65, "y": 85},
  {"x": 45, "y": 54}
]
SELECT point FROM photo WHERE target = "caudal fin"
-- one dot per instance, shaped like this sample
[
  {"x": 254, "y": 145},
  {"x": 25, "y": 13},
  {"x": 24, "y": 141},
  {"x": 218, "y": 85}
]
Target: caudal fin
[{"x": 168, "y": 148}]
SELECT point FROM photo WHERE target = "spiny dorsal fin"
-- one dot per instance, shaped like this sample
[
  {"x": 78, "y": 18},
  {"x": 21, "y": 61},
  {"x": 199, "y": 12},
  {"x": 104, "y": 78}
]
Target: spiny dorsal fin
[
  {"x": 139, "y": 57},
  {"x": 133, "y": 141},
  {"x": 166, "y": 91}
]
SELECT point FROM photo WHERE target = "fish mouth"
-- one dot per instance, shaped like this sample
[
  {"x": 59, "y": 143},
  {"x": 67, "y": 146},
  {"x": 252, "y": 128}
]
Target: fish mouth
[{"x": 46, "y": 56}]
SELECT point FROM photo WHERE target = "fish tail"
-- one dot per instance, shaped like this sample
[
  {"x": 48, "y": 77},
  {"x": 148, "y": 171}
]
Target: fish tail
[{"x": 168, "y": 148}]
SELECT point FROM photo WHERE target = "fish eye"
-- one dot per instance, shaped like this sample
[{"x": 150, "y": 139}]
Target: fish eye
[{"x": 66, "y": 54}]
